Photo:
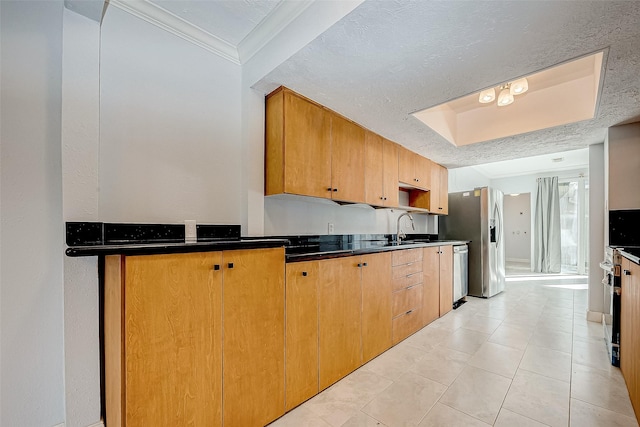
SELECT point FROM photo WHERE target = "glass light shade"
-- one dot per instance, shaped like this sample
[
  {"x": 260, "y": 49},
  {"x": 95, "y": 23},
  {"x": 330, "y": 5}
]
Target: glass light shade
[
  {"x": 505, "y": 98},
  {"x": 519, "y": 87},
  {"x": 487, "y": 96}
]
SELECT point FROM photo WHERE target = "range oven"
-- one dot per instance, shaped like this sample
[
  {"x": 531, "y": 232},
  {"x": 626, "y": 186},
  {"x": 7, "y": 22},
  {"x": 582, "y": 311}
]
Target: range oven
[{"x": 612, "y": 283}]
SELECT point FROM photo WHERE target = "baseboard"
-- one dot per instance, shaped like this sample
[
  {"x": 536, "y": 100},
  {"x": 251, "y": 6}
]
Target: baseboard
[
  {"x": 594, "y": 316},
  {"x": 519, "y": 260},
  {"x": 98, "y": 424}
]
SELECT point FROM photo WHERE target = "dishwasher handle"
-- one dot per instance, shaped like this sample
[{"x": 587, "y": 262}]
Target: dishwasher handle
[{"x": 461, "y": 249}]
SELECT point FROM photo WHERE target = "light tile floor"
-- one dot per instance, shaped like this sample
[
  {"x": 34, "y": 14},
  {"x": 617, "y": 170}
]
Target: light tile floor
[{"x": 526, "y": 357}]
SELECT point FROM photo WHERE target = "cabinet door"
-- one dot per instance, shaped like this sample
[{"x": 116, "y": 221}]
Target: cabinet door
[
  {"x": 629, "y": 321},
  {"x": 431, "y": 284},
  {"x": 253, "y": 336},
  {"x": 390, "y": 173},
  {"x": 434, "y": 192},
  {"x": 376, "y": 305},
  {"x": 423, "y": 168},
  {"x": 443, "y": 207},
  {"x": 173, "y": 326},
  {"x": 347, "y": 160},
  {"x": 406, "y": 166},
  {"x": 339, "y": 319},
  {"x": 446, "y": 279},
  {"x": 374, "y": 169},
  {"x": 301, "y": 349},
  {"x": 307, "y": 148}
]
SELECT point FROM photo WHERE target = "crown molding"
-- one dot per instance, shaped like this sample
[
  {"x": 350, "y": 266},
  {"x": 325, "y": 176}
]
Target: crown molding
[
  {"x": 177, "y": 26},
  {"x": 277, "y": 20},
  {"x": 281, "y": 16}
]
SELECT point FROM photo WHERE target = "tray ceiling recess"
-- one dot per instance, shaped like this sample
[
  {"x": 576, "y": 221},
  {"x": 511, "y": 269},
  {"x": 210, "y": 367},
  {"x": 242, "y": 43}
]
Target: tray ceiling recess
[{"x": 562, "y": 94}]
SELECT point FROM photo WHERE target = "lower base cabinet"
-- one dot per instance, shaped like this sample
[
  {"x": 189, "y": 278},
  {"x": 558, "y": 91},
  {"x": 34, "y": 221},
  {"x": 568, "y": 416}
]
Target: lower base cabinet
[
  {"x": 376, "y": 304},
  {"x": 164, "y": 345},
  {"x": 629, "y": 324},
  {"x": 301, "y": 348},
  {"x": 339, "y": 319},
  {"x": 431, "y": 284}
]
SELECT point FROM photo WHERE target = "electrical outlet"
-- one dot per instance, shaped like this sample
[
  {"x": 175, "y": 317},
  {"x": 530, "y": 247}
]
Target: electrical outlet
[
  {"x": 330, "y": 228},
  {"x": 190, "y": 231}
]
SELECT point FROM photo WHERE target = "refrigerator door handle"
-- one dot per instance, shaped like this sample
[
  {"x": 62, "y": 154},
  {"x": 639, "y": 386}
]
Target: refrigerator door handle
[{"x": 498, "y": 225}]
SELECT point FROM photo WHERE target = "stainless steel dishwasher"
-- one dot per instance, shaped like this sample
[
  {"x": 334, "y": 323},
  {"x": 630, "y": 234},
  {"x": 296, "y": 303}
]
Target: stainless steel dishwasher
[{"x": 460, "y": 272}]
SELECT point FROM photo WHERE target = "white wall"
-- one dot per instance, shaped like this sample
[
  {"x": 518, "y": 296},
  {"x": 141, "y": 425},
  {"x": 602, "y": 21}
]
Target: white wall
[
  {"x": 32, "y": 245},
  {"x": 80, "y": 150},
  {"x": 467, "y": 178},
  {"x": 170, "y": 128},
  {"x": 596, "y": 228},
  {"x": 517, "y": 227}
]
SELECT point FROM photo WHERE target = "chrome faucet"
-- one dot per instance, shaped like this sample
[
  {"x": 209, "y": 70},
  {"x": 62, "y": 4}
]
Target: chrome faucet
[{"x": 400, "y": 235}]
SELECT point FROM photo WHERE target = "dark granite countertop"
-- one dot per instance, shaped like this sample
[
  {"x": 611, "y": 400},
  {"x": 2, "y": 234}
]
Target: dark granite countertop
[
  {"x": 632, "y": 254},
  {"x": 362, "y": 247},
  {"x": 170, "y": 248}
]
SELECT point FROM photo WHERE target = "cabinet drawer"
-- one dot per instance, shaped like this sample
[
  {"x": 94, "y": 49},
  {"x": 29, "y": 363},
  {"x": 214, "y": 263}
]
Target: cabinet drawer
[
  {"x": 404, "y": 282},
  {"x": 405, "y": 325},
  {"x": 407, "y": 269},
  {"x": 406, "y": 256},
  {"x": 407, "y": 299}
]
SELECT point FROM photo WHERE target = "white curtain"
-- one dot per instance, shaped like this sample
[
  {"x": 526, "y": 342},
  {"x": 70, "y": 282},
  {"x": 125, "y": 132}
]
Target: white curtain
[{"x": 547, "y": 250}]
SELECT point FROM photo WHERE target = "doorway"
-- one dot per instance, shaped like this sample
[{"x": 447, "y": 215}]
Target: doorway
[
  {"x": 517, "y": 230},
  {"x": 574, "y": 224}
]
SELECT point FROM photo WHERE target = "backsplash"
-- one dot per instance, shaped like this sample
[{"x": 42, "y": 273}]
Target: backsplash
[{"x": 99, "y": 233}]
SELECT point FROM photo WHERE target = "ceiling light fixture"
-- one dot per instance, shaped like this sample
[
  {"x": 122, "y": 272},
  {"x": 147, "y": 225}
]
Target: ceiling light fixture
[{"x": 507, "y": 91}]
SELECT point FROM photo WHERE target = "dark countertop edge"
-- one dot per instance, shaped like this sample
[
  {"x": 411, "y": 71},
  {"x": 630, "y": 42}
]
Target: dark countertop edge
[
  {"x": 630, "y": 257},
  {"x": 355, "y": 252},
  {"x": 173, "y": 248}
]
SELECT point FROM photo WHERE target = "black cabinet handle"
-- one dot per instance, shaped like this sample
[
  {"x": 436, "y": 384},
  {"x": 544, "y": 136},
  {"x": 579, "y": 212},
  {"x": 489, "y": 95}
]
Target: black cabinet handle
[
  {"x": 385, "y": 198},
  {"x": 440, "y": 208},
  {"x": 409, "y": 312},
  {"x": 381, "y": 198},
  {"x": 626, "y": 272},
  {"x": 335, "y": 189},
  {"x": 329, "y": 189},
  {"x": 359, "y": 265},
  {"x": 216, "y": 267},
  {"x": 304, "y": 273},
  {"x": 230, "y": 265},
  {"x": 365, "y": 264}
]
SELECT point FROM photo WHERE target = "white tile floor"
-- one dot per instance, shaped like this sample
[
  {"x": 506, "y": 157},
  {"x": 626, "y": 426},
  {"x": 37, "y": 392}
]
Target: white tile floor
[{"x": 526, "y": 357}]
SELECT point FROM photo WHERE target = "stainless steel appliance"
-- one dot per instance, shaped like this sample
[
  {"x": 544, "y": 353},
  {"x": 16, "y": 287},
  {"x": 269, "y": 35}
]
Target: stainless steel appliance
[
  {"x": 477, "y": 216},
  {"x": 460, "y": 272},
  {"x": 611, "y": 267}
]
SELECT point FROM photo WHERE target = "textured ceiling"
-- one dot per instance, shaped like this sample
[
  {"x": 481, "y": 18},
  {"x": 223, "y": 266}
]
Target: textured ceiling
[
  {"x": 387, "y": 59},
  {"x": 230, "y": 20}
]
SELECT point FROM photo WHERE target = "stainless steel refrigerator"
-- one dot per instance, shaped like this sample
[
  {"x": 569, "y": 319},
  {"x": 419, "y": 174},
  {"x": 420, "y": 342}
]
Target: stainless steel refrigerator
[{"x": 477, "y": 215}]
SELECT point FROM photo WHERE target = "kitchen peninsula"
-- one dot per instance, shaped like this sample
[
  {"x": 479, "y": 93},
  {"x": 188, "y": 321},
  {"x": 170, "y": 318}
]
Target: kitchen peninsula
[{"x": 239, "y": 331}]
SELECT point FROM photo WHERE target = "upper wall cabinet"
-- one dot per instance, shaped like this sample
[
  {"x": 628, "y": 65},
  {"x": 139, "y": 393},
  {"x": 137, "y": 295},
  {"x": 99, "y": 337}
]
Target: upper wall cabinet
[
  {"x": 311, "y": 151},
  {"x": 347, "y": 160},
  {"x": 439, "y": 196},
  {"x": 381, "y": 171},
  {"x": 414, "y": 170},
  {"x": 297, "y": 131}
]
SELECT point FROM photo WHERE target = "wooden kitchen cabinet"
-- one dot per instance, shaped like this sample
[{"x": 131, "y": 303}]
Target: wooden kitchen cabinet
[
  {"x": 446, "y": 279},
  {"x": 413, "y": 169},
  {"x": 381, "y": 171},
  {"x": 339, "y": 319},
  {"x": 406, "y": 293},
  {"x": 297, "y": 146},
  {"x": 347, "y": 160},
  {"x": 163, "y": 336},
  {"x": 253, "y": 336},
  {"x": 431, "y": 284},
  {"x": 301, "y": 350},
  {"x": 439, "y": 194},
  {"x": 438, "y": 282},
  {"x": 376, "y": 304},
  {"x": 173, "y": 321},
  {"x": 629, "y": 324}
]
